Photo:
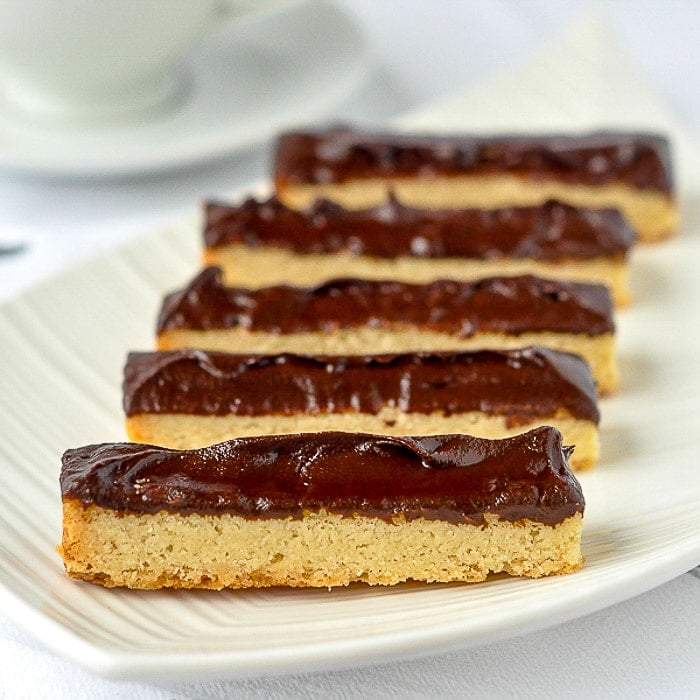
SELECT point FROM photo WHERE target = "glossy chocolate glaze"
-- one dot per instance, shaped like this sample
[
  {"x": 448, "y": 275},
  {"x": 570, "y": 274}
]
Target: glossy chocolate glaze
[
  {"x": 553, "y": 231},
  {"x": 521, "y": 385},
  {"x": 339, "y": 154},
  {"x": 448, "y": 477},
  {"x": 511, "y": 305}
]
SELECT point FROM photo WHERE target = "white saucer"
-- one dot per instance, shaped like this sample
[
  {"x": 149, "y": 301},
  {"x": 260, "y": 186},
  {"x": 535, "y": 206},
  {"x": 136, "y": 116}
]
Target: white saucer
[{"x": 245, "y": 85}]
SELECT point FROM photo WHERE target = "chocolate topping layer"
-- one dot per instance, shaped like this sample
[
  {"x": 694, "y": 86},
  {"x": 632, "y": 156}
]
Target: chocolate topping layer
[
  {"x": 553, "y": 231},
  {"x": 511, "y": 305},
  {"x": 448, "y": 477},
  {"x": 519, "y": 384},
  {"x": 340, "y": 154}
]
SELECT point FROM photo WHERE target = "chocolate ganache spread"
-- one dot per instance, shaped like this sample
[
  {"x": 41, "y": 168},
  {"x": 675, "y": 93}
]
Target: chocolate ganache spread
[
  {"x": 552, "y": 231},
  {"x": 338, "y": 154},
  {"x": 457, "y": 478},
  {"x": 521, "y": 385},
  {"x": 511, "y": 305}
]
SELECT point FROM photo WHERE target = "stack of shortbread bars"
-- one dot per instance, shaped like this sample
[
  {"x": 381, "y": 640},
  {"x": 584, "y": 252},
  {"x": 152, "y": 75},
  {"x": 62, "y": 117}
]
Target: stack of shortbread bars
[{"x": 380, "y": 370}]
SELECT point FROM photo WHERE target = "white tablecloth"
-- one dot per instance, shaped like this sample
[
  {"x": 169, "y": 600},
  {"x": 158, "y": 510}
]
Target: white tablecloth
[{"x": 645, "y": 647}]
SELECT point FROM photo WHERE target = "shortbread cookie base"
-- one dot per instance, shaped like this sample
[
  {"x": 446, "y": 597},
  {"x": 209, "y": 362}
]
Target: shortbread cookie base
[
  {"x": 244, "y": 266},
  {"x": 651, "y": 213},
  {"x": 598, "y": 350},
  {"x": 190, "y": 431},
  {"x": 323, "y": 549}
]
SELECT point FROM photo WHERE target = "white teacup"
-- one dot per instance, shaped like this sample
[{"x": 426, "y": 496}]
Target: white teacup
[{"x": 96, "y": 60}]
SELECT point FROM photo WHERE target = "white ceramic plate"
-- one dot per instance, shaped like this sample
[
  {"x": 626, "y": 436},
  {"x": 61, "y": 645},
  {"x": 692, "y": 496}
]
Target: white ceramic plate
[
  {"x": 283, "y": 68},
  {"x": 63, "y": 346},
  {"x": 62, "y": 350}
]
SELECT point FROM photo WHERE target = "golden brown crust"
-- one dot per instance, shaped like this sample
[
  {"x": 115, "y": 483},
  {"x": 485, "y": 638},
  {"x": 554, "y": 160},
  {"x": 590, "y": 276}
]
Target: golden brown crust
[
  {"x": 598, "y": 351},
  {"x": 653, "y": 214},
  {"x": 182, "y": 431},
  {"x": 259, "y": 267},
  {"x": 195, "y": 551}
]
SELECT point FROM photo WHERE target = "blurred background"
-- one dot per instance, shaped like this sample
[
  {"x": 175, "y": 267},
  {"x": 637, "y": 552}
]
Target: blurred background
[{"x": 301, "y": 61}]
